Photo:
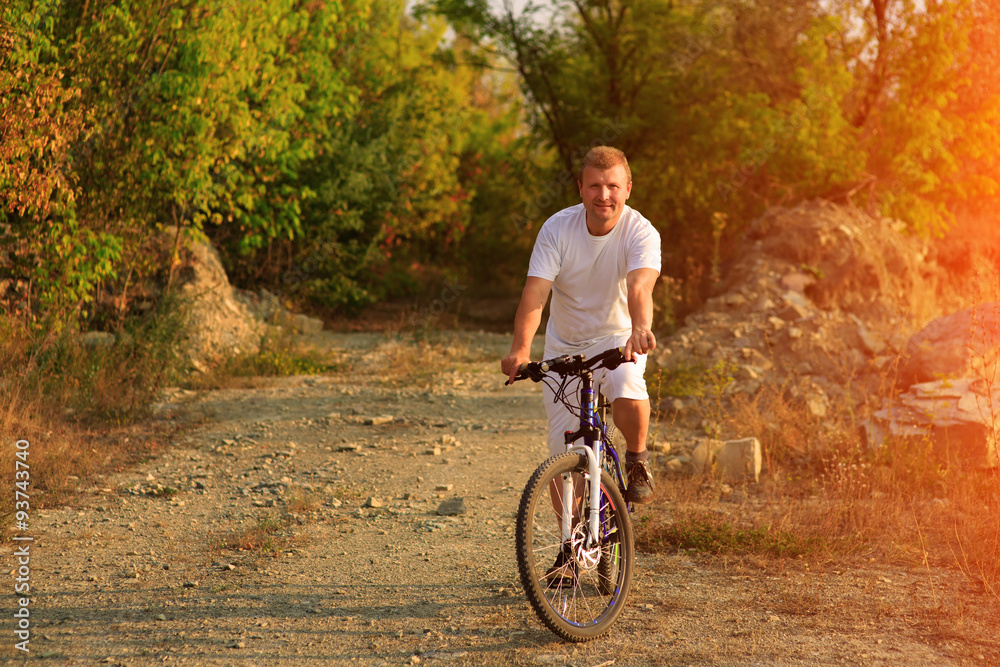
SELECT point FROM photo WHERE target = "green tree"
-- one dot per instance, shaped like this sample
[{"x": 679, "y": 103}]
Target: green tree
[
  {"x": 723, "y": 107},
  {"x": 395, "y": 181},
  {"x": 211, "y": 108},
  {"x": 197, "y": 116},
  {"x": 927, "y": 106},
  {"x": 729, "y": 106},
  {"x": 49, "y": 260}
]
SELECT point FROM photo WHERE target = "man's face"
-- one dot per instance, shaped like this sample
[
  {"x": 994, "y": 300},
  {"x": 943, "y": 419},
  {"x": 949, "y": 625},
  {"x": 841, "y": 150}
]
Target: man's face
[{"x": 604, "y": 193}]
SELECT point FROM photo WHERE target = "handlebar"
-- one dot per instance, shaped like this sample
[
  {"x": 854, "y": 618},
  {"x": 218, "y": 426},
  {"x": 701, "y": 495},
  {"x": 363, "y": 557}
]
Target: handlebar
[{"x": 569, "y": 365}]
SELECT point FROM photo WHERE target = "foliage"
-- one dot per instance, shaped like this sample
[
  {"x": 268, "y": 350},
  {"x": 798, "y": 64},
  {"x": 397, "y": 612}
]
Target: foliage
[
  {"x": 726, "y": 106},
  {"x": 324, "y": 146},
  {"x": 386, "y": 182},
  {"x": 349, "y": 152},
  {"x": 39, "y": 123},
  {"x": 936, "y": 119},
  {"x": 224, "y": 105},
  {"x": 394, "y": 183}
]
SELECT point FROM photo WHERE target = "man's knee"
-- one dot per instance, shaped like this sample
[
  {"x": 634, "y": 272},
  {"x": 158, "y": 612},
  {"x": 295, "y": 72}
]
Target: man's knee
[{"x": 634, "y": 406}]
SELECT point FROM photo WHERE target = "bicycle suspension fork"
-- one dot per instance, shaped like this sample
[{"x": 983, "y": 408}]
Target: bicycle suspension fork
[{"x": 587, "y": 430}]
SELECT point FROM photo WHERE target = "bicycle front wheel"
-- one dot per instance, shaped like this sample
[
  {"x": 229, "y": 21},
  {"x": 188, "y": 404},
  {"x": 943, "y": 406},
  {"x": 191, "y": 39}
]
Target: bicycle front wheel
[{"x": 576, "y": 582}]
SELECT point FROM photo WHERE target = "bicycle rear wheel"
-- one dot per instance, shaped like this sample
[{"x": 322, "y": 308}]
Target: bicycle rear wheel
[{"x": 577, "y": 587}]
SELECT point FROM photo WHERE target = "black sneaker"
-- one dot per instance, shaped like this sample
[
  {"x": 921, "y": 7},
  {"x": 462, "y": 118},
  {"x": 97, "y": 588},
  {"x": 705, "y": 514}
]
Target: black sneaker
[
  {"x": 563, "y": 573},
  {"x": 640, "y": 482}
]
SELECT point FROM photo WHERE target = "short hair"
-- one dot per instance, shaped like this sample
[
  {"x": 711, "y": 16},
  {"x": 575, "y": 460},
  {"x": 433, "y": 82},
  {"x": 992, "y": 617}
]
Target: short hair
[{"x": 604, "y": 158}]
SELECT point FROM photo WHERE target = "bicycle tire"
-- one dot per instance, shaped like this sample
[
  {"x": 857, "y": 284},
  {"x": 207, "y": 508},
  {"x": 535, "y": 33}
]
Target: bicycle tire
[
  {"x": 589, "y": 606},
  {"x": 615, "y": 438},
  {"x": 609, "y": 567},
  {"x": 612, "y": 555}
]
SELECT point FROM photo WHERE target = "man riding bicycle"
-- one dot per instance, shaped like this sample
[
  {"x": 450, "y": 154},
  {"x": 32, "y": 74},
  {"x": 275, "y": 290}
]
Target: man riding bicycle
[{"x": 600, "y": 260}]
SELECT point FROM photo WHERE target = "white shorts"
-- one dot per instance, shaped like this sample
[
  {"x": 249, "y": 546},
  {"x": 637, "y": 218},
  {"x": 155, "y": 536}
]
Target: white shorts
[{"x": 626, "y": 381}]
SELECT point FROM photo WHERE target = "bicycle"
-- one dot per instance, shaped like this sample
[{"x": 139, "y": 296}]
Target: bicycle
[{"x": 575, "y": 558}]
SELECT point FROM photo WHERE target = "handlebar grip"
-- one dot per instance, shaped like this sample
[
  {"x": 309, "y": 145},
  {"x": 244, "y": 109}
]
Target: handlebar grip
[
  {"x": 520, "y": 375},
  {"x": 621, "y": 352},
  {"x": 531, "y": 370}
]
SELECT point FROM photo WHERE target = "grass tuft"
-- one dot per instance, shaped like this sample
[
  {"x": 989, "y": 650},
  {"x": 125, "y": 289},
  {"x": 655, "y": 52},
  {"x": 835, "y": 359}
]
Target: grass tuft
[
  {"x": 714, "y": 535},
  {"x": 279, "y": 356},
  {"x": 262, "y": 538},
  {"x": 303, "y": 502}
]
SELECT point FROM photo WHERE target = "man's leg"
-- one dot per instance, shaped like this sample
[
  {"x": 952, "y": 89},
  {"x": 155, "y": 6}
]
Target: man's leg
[{"x": 631, "y": 416}]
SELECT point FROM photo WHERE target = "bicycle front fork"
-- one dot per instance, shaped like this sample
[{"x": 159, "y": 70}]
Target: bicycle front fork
[{"x": 569, "y": 494}]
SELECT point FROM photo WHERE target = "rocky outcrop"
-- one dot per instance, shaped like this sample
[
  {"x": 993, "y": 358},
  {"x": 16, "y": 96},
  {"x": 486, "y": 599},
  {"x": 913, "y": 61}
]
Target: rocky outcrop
[
  {"x": 223, "y": 321},
  {"x": 819, "y": 303},
  {"x": 268, "y": 308},
  {"x": 951, "y": 397},
  {"x": 818, "y": 294},
  {"x": 218, "y": 324},
  {"x": 957, "y": 418}
]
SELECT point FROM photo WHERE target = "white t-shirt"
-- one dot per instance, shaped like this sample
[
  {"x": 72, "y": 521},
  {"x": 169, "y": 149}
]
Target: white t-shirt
[{"x": 589, "y": 297}]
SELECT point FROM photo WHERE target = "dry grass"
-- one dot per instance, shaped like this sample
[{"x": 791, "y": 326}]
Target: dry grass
[
  {"x": 67, "y": 456},
  {"x": 77, "y": 406},
  {"x": 824, "y": 497},
  {"x": 278, "y": 356},
  {"x": 419, "y": 362},
  {"x": 263, "y": 538},
  {"x": 83, "y": 408},
  {"x": 300, "y": 501}
]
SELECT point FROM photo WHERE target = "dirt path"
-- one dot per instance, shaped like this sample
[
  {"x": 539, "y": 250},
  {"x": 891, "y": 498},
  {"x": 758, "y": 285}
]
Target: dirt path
[{"x": 364, "y": 571}]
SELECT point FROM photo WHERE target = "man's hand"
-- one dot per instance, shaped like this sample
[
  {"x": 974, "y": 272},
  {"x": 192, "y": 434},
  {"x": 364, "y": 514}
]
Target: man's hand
[
  {"x": 640, "y": 342},
  {"x": 513, "y": 361}
]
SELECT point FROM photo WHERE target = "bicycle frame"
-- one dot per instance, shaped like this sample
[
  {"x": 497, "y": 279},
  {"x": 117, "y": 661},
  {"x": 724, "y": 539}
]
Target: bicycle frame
[{"x": 593, "y": 448}]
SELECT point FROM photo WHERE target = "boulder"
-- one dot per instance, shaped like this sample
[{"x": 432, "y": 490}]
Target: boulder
[
  {"x": 452, "y": 507},
  {"x": 841, "y": 259},
  {"x": 735, "y": 460},
  {"x": 962, "y": 344},
  {"x": 268, "y": 308},
  {"x": 958, "y": 418},
  {"x": 298, "y": 323}
]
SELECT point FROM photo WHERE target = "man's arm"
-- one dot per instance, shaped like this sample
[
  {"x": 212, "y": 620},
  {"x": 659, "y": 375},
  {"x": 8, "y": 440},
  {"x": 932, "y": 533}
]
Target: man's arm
[
  {"x": 639, "y": 285},
  {"x": 526, "y": 321}
]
